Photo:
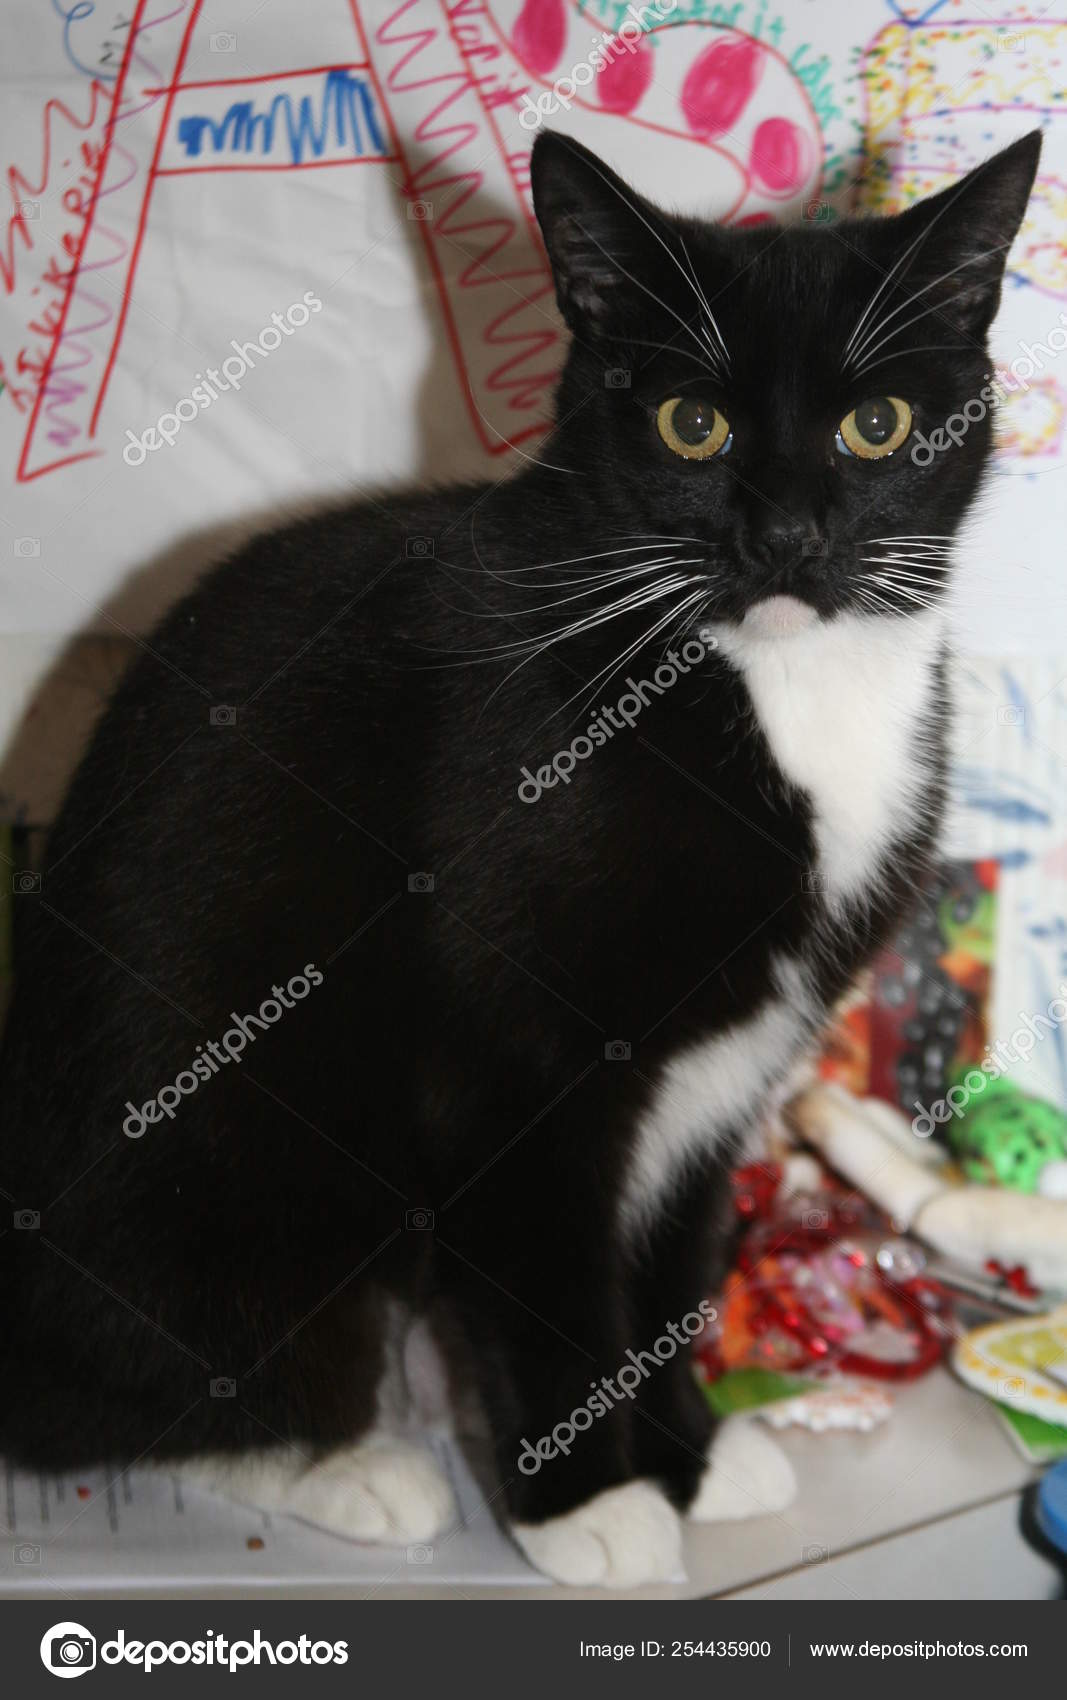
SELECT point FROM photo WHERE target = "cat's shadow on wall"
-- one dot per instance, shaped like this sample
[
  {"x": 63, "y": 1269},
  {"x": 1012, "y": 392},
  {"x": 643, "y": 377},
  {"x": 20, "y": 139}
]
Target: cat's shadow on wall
[{"x": 64, "y": 705}]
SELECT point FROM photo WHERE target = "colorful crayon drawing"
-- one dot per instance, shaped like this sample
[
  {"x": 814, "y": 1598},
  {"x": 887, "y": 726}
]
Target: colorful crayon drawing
[
  {"x": 1010, "y": 806},
  {"x": 939, "y": 95},
  {"x": 434, "y": 93},
  {"x": 1030, "y": 424},
  {"x": 144, "y": 124},
  {"x": 690, "y": 79},
  {"x": 921, "y": 80}
]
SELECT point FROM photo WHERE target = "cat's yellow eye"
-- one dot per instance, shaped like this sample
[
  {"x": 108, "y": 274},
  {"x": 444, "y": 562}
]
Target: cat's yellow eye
[
  {"x": 693, "y": 428},
  {"x": 875, "y": 428}
]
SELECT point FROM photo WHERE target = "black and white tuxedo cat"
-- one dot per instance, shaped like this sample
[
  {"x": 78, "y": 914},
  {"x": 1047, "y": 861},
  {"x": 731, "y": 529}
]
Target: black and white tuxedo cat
[{"x": 323, "y": 1026}]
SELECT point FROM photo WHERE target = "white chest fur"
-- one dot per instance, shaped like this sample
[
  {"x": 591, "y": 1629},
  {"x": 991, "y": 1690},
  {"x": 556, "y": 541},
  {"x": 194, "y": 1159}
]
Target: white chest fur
[{"x": 842, "y": 707}]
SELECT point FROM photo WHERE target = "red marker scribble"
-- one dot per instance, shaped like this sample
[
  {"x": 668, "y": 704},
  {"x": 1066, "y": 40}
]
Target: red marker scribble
[
  {"x": 24, "y": 193},
  {"x": 63, "y": 390},
  {"x": 540, "y": 34},
  {"x": 780, "y": 157},
  {"x": 720, "y": 83},
  {"x": 153, "y": 172},
  {"x": 622, "y": 80},
  {"x": 62, "y": 370},
  {"x": 68, "y": 391},
  {"x": 443, "y": 136}
]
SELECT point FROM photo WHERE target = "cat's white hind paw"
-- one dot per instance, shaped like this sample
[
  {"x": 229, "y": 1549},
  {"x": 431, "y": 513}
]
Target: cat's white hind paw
[
  {"x": 748, "y": 1475},
  {"x": 622, "y": 1538},
  {"x": 379, "y": 1490}
]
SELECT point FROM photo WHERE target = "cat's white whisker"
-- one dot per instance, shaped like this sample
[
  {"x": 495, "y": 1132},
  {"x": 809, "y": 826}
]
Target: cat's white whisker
[
  {"x": 662, "y": 537},
  {"x": 713, "y": 323},
  {"x": 577, "y": 560},
  {"x": 537, "y": 643},
  {"x": 571, "y": 471},
  {"x": 935, "y": 543},
  {"x": 563, "y": 601},
  {"x": 875, "y": 298},
  {"x": 601, "y": 679},
  {"x": 532, "y": 586},
  {"x": 672, "y": 637},
  {"x": 865, "y": 341},
  {"x": 900, "y": 353},
  {"x": 917, "y": 580},
  {"x": 691, "y": 280},
  {"x": 929, "y": 570},
  {"x": 881, "y": 608},
  {"x": 912, "y": 552},
  {"x": 897, "y": 589},
  {"x": 905, "y": 591},
  {"x": 899, "y": 267},
  {"x": 863, "y": 364},
  {"x": 931, "y": 580},
  {"x": 686, "y": 326},
  {"x": 662, "y": 347},
  {"x": 594, "y": 617},
  {"x": 648, "y": 596},
  {"x": 926, "y": 546},
  {"x": 924, "y": 572}
]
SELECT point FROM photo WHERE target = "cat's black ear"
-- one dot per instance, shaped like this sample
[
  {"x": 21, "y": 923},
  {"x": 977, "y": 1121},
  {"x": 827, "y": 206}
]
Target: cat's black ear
[
  {"x": 597, "y": 230},
  {"x": 957, "y": 241}
]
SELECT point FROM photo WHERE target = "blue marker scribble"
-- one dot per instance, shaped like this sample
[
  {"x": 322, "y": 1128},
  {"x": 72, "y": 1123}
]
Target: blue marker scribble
[
  {"x": 991, "y": 792},
  {"x": 1017, "y": 699},
  {"x": 1015, "y": 858},
  {"x": 1054, "y": 929},
  {"x": 1043, "y": 996},
  {"x": 76, "y": 14},
  {"x": 341, "y": 115}
]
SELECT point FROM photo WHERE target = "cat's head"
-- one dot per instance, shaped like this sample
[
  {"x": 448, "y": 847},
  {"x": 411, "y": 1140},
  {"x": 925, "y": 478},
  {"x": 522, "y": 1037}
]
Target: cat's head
[{"x": 763, "y": 400}]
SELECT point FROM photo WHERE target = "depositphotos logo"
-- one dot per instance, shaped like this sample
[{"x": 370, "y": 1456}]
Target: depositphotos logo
[{"x": 69, "y": 1649}]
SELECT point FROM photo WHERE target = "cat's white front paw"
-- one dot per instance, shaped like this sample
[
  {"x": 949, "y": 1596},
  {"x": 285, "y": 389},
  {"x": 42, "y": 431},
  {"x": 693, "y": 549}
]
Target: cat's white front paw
[
  {"x": 748, "y": 1475},
  {"x": 622, "y": 1538}
]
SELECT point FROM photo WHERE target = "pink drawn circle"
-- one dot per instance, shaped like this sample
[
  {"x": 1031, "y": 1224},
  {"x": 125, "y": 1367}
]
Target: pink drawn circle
[
  {"x": 622, "y": 81},
  {"x": 540, "y": 33},
  {"x": 780, "y": 156},
  {"x": 720, "y": 83}
]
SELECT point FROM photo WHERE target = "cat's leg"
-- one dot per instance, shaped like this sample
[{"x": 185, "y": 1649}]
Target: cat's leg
[
  {"x": 540, "y": 1311},
  {"x": 383, "y": 1485},
  {"x": 712, "y": 1472},
  {"x": 674, "y": 1249}
]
